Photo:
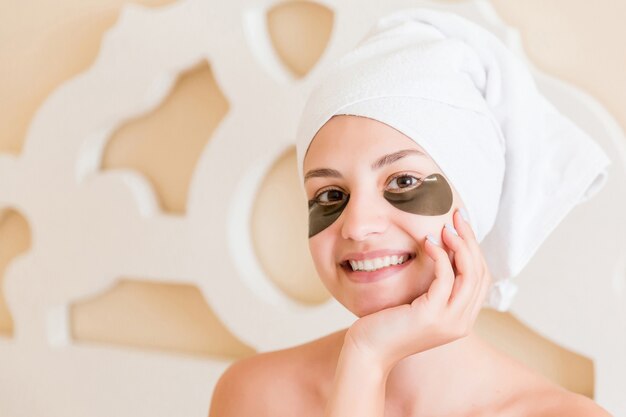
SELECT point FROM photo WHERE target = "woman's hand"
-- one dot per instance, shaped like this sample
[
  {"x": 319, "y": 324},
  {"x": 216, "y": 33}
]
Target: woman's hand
[{"x": 446, "y": 312}]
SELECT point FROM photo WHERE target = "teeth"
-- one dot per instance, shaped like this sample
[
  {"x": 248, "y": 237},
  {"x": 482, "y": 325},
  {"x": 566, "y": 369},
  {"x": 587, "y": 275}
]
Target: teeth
[{"x": 377, "y": 263}]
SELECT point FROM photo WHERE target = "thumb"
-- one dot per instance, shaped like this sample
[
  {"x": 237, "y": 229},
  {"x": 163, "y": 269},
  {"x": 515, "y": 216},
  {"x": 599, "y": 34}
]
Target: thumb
[{"x": 451, "y": 256}]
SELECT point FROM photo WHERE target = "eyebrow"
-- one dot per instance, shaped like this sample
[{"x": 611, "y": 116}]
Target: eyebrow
[{"x": 379, "y": 163}]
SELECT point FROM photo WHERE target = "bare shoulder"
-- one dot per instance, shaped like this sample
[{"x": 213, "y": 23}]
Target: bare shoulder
[
  {"x": 525, "y": 392},
  {"x": 254, "y": 386},
  {"x": 556, "y": 402},
  {"x": 282, "y": 382},
  {"x": 573, "y": 405}
]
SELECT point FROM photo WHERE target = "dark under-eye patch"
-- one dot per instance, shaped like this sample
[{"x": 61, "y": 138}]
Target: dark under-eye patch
[
  {"x": 323, "y": 215},
  {"x": 432, "y": 197}
]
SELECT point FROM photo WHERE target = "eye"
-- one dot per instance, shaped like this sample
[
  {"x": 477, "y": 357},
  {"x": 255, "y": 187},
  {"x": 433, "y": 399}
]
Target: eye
[
  {"x": 403, "y": 182},
  {"x": 329, "y": 197}
]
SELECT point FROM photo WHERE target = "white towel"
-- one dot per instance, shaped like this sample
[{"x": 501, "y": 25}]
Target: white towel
[{"x": 454, "y": 88}]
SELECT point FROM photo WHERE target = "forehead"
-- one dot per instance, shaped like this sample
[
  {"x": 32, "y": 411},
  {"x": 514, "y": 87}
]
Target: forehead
[{"x": 347, "y": 137}]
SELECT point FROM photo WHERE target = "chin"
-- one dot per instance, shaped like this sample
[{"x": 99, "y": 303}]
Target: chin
[{"x": 365, "y": 306}]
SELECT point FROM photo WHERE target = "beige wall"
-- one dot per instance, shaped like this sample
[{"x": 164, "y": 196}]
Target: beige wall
[{"x": 44, "y": 43}]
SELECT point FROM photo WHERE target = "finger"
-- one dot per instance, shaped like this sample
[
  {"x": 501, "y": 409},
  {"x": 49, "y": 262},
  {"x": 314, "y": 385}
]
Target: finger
[
  {"x": 463, "y": 259},
  {"x": 464, "y": 229},
  {"x": 451, "y": 256},
  {"x": 440, "y": 288},
  {"x": 480, "y": 286},
  {"x": 481, "y": 294},
  {"x": 463, "y": 290}
]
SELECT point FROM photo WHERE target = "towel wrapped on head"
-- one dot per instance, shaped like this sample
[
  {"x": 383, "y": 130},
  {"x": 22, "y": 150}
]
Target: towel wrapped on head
[{"x": 454, "y": 88}]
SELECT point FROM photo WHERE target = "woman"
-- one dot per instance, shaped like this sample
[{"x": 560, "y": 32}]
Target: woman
[{"x": 389, "y": 241}]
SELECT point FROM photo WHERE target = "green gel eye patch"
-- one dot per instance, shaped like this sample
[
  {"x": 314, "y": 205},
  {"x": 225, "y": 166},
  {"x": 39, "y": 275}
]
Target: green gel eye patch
[
  {"x": 432, "y": 197},
  {"x": 323, "y": 215}
]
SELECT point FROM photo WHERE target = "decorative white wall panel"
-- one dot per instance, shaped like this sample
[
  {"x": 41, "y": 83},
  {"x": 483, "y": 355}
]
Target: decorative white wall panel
[{"x": 111, "y": 226}]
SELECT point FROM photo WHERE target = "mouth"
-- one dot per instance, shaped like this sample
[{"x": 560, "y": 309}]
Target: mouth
[
  {"x": 375, "y": 264},
  {"x": 374, "y": 269}
]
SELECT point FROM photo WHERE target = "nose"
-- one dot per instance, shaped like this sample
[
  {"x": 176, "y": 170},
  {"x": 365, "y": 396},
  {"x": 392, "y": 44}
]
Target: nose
[{"x": 363, "y": 216}]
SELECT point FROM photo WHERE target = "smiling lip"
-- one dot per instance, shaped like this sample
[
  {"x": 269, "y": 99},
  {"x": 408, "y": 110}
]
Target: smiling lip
[
  {"x": 362, "y": 277},
  {"x": 360, "y": 256}
]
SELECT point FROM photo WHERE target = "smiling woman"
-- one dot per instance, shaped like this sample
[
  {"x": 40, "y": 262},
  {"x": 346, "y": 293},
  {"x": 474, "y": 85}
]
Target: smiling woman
[{"x": 418, "y": 152}]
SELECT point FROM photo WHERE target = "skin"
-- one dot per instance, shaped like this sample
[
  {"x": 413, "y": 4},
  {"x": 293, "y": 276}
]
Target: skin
[{"x": 412, "y": 351}]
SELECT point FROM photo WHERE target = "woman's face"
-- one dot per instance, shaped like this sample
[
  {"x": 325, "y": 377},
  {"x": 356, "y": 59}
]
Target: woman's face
[{"x": 370, "y": 226}]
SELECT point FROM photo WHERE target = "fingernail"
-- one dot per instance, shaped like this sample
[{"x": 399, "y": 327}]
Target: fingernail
[
  {"x": 433, "y": 240},
  {"x": 451, "y": 228},
  {"x": 464, "y": 214}
]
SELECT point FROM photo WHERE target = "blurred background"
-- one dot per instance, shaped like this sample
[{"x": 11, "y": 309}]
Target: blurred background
[{"x": 44, "y": 44}]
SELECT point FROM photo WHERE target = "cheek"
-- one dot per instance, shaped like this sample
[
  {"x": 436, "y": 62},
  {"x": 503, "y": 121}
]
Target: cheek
[
  {"x": 417, "y": 227},
  {"x": 321, "y": 247}
]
